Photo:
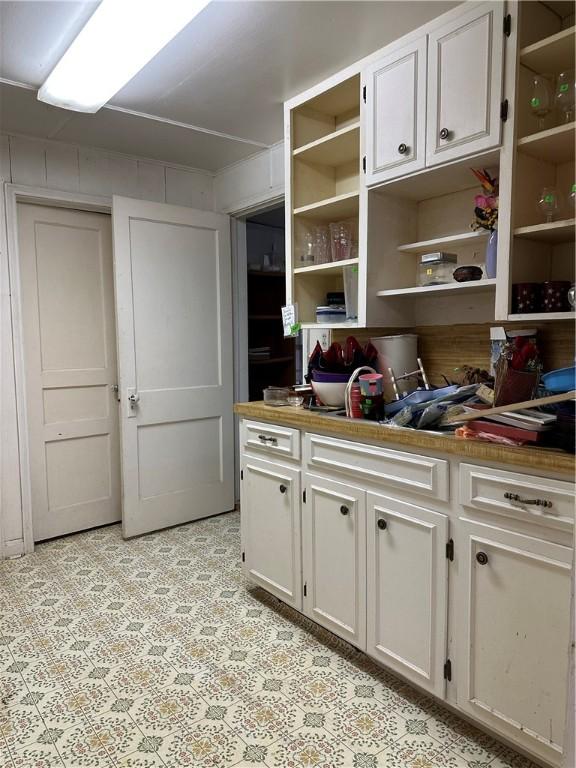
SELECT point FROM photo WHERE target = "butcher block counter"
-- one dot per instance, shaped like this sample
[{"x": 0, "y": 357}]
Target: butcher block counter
[{"x": 538, "y": 459}]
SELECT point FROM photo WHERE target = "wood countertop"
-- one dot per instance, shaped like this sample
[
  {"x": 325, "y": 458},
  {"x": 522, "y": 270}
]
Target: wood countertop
[{"x": 542, "y": 459}]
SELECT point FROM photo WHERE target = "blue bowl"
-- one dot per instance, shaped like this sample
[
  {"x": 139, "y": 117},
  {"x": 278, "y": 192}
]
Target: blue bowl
[
  {"x": 417, "y": 397},
  {"x": 561, "y": 380}
]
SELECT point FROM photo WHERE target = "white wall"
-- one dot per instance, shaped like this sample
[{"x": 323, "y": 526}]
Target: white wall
[
  {"x": 70, "y": 168},
  {"x": 255, "y": 181}
]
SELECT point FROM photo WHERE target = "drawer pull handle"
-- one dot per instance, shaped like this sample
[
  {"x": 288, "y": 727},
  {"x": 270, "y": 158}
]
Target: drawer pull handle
[
  {"x": 283, "y": 488},
  {"x": 403, "y": 148},
  {"x": 537, "y": 502},
  {"x": 344, "y": 510},
  {"x": 382, "y": 524},
  {"x": 265, "y": 439},
  {"x": 444, "y": 133},
  {"x": 482, "y": 558}
]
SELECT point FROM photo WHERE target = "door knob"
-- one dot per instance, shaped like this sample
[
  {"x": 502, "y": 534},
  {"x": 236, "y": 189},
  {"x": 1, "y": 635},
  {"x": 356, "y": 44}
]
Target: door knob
[
  {"x": 402, "y": 149},
  {"x": 482, "y": 558},
  {"x": 382, "y": 524},
  {"x": 344, "y": 510},
  {"x": 134, "y": 399},
  {"x": 283, "y": 488},
  {"x": 444, "y": 133}
]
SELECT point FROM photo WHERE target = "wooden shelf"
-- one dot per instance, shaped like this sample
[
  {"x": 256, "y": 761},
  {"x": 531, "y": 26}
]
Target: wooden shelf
[
  {"x": 554, "y": 232},
  {"x": 450, "y": 241},
  {"x": 337, "y": 148},
  {"x": 556, "y": 145},
  {"x": 308, "y": 326},
  {"x": 331, "y": 209},
  {"x": 472, "y": 286},
  {"x": 331, "y": 266},
  {"x": 531, "y": 317},
  {"x": 271, "y": 360},
  {"x": 550, "y": 55}
]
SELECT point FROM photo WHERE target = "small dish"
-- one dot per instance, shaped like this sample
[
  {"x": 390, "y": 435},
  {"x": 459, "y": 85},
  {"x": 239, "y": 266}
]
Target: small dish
[{"x": 467, "y": 274}]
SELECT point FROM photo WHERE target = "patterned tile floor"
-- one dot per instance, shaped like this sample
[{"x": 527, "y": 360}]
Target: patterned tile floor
[{"x": 154, "y": 652}]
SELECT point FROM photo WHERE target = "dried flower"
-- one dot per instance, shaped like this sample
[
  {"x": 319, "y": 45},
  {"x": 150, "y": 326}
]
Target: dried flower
[{"x": 485, "y": 204}]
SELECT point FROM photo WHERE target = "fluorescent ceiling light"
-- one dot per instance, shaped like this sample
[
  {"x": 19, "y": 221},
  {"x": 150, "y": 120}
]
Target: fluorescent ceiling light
[{"x": 119, "y": 38}]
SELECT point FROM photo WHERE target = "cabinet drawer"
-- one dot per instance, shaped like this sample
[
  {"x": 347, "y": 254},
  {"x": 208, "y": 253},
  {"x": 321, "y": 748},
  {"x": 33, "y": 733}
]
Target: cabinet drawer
[
  {"x": 270, "y": 439},
  {"x": 516, "y": 495},
  {"x": 380, "y": 466}
]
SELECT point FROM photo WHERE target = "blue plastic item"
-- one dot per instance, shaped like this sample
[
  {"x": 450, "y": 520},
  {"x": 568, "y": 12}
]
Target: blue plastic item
[
  {"x": 561, "y": 380},
  {"x": 418, "y": 396}
]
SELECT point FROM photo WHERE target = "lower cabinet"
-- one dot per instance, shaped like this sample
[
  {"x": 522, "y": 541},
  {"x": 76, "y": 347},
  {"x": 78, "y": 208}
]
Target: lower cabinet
[
  {"x": 407, "y": 589},
  {"x": 270, "y": 503},
  {"x": 514, "y": 635},
  {"x": 373, "y": 566},
  {"x": 334, "y": 557}
]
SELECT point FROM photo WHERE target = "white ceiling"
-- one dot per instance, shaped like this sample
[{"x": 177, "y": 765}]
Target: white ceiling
[{"x": 227, "y": 73}]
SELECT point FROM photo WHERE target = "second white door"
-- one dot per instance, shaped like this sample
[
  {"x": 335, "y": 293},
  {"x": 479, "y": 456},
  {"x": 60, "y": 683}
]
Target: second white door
[{"x": 174, "y": 316}]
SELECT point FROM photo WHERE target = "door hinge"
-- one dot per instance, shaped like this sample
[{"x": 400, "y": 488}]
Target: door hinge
[
  {"x": 504, "y": 110},
  {"x": 507, "y": 25},
  {"x": 305, "y": 589},
  {"x": 450, "y": 549},
  {"x": 241, "y": 474},
  {"x": 448, "y": 670},
  {"x": 304, "y": 495},
  {"x": 243, "y": 557},
  {"x": 364, "y": 94},
  {"x": 364, "y": 163}
]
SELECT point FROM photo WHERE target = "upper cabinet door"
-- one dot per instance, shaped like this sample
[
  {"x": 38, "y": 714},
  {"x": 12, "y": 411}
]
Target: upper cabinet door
[
  {"x": 395, "y": 113},
  {"x": 465, "y": 84}
]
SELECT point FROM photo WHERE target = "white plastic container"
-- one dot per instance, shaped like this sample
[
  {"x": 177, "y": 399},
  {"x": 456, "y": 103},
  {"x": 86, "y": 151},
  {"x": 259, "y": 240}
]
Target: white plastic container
[{"x": 400, "y": 353}]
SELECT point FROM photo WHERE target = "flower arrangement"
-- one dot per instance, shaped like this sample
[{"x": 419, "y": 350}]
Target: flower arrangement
[{"x": 485, "y": 204}]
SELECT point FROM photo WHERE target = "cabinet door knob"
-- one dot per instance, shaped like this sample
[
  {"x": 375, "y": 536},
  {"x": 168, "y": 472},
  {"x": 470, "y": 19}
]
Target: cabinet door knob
[
  {"x": 402, "y": 148},
  {"x": 482, "y": 558},
  {"x": 382, "y": 524},
  {"x": 283, "y": 488},
  {"x": 344, "y": 510},
  {"x": 444, "y": 133}
]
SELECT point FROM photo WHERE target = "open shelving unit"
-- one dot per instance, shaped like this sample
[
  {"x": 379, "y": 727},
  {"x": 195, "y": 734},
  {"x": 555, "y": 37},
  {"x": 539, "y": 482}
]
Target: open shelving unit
[
  {"x": 324, "y": 187},
  {"x": 541, "y": 251}
]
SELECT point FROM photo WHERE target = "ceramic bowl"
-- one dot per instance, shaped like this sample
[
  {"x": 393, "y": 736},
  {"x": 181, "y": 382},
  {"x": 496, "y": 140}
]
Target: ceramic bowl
[
  {"x": 466, "y": 274},
  {"x": 330, "y": 393}
]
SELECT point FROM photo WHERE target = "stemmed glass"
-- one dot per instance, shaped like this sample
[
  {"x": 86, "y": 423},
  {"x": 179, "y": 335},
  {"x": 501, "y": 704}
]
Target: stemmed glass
[
  {"x": 565, "y": 92},
  {"x": 541, "y": 100},
  {"x": 548, "y": 203}
]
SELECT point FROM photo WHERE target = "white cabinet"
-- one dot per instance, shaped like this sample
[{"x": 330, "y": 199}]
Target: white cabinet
[
  {"x": 465, "y": 60},
  {"x": 514, "y": 636},
  {"x": 396, "y": 113},
  {"x": 407, "y": 589},
  {"x": 270, "y": 519},
  {"x": 334, "y": 557}
]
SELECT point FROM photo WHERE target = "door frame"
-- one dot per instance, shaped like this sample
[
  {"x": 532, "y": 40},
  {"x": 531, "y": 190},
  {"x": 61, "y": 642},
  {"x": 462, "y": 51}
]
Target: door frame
[{"x": 14, "y": 194}]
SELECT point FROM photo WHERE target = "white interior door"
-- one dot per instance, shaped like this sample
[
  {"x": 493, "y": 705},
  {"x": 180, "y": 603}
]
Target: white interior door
[
  {"x": 70, "y": 368},
  {"x": 172, "y": 271}
]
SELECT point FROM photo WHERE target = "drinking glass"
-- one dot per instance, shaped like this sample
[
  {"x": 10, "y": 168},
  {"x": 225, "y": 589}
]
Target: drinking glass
[
  {"x": 307, "y": 248},
  {"x": 341, "y": 239},
  {"x": 548, "y": 203},
  {"x": 572, "y": 196},
  {"x": 322, "y": 253},
  {"x": 565, "y": 92},
  {"x": 541, "y": 100}
]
